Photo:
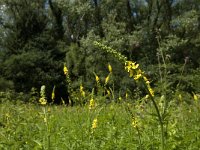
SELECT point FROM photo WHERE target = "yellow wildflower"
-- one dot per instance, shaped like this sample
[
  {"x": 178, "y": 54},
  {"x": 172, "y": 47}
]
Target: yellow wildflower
[
  {"x": 139, "y": 71},
  {"x": 109, "y": 68},
  {"x": 81, "y": 88},
  {"x": 43, "y": 101},
  {"x": 145, "y": 78},
  {"x": 195, "y": 96},
  {"x": 150, "y": 90},
  {"x": 53, "y": 93},
  {"x": 45, "y": 119},
  {"x": 108, "y": 92},
  {"x": 65, "y": 70},
  {"x": 107, "y": 79},
  {"x": 137, "y": 76},
  {"x": 82, "y": 91},
  {"x": 127, "y": 66},
  {"x": 94, "y": 124},
  {"x": 97, "y": 78},
  {"x": 131, "y": 65},
  {"x": 147, "y": 82},
  {"x": 134, "y": 123},
  {"x": 120, "y": 99},
  {"x": 62, "y": 100},
  {"x": 92, "y": 104},
  {"x": 130, "y": 73},
  {"x": 126, "y": 95},
  {"x": 147, "y": 96},
  {"x": 135, "y": 66}
]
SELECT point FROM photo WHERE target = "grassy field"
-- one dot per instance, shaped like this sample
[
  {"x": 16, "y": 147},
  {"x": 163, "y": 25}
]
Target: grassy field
[{"x": 105, "y": 127}]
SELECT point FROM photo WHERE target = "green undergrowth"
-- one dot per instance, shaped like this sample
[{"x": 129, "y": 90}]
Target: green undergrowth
[{"x": 130, "y": 126}]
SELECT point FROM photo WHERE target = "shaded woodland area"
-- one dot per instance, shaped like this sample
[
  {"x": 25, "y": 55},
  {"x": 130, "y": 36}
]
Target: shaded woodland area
[{"x": 38, "y": 37}]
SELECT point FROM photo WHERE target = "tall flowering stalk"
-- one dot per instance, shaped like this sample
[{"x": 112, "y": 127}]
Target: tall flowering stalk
[
  {"x": 66, "y": 73},
  {"x": 134, "y": 124},
  {"x": 82, "y": 92},
  {"x": 53, "y": 94},
  {"x": 94, "y": 125},
  {"x": 109, "y": 75},
  {"x": 42, "y": 99},
  {"x": 91, "y": 104},
  {"x": 109, "y": 68},
  {"x": 138, "y": 75}
]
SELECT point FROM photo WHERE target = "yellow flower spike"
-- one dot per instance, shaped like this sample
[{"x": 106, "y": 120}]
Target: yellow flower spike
[
  {"x": 145, "y": 78},
  {"x": 135, "y": 66},
  {"x": 134, "y": 123},
  {"x": 81, "y": 88},
  {"x": 62, "y": 100},
  {"x": 132, "y": 68},
  {"x": 120, "y": 99},
  {"x": 107, "y": 79},
  {"x": 94, "y": 124},
  {"x": 53, "y": 94},
  {"x": 43, "y": 101},
  {"x": 65, "y": 69},
  {"x": 83, "y": 94},
  {"x": 108, "y": 92},
  {"x": 45, "y": 119},
  {"x": 131, "y": 65},
  {"x": 147, "y": 82},
  {"x": 139, "y": 71},
  {"x": 109, "y": 68},
  {"x": 151, "y": 91},
  {"x": 127, "y": 66},
  {"x": 195, "y": 96},
  {"x": 147, "y": 96},
  {"x": 130, "y": 73},
  {"x": 137, "y": 76},
  {"x": 82, "y": 91},
  {"x": 126, "y": 95},
  {"x": 92, "y": 104},
  {"x": 97, "y": 78}
]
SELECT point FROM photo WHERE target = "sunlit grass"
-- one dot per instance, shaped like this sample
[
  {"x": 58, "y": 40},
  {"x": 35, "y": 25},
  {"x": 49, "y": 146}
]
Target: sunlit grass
[{"x": 24, "y": 126}]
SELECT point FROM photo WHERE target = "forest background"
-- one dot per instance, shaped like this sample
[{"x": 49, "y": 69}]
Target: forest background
[{"x": 38, "y": 37}]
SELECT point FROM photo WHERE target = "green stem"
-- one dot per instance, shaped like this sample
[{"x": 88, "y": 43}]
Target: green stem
[
  {"x": 139, "y": 136},
  {"x": 159, "y": 118},
  {"x": 138, "y": 131},
  {"x": 47, "y": 126}
]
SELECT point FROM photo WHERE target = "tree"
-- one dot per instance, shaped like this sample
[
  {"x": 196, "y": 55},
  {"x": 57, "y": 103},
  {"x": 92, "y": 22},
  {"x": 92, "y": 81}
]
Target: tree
[{"x": 32, "y": 56}]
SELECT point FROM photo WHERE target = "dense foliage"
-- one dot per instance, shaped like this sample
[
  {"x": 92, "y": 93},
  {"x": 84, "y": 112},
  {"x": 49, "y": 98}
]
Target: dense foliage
[{"x": 37, "y": 37}]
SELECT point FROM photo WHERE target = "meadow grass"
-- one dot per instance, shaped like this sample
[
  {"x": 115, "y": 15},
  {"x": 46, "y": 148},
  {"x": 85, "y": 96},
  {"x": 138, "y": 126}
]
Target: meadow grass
[{"x": 32, "y": 126}]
